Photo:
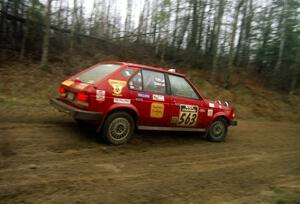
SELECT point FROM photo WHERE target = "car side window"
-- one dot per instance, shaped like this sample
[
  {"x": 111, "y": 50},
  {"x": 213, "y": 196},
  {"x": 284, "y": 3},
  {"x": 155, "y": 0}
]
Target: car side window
[
  {"x": 135, "y": 82},
  {"x": 180, "y": 87},
  {"x": 128, "y": 72},
  {"x": 154, "y": 82}
]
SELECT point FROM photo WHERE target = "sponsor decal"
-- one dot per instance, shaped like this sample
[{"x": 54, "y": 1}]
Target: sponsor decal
[
  {"x": 122, "y": 100},
  {"x": 143, "y": 95},
  {"x": 202, "y": 110},
  {"x": 210, "y": 112},
  {"x": 81, "y": 86},
  {"x": 117, "y": 86},
  {"x": 100, "y": 95},
  {"x": 211, "y": 105},
  {"x": 158, "y": 97},
  {"x": 188, "y": 115},
  {"x": 157, "y": 110},
  {"x": 68, "y": 83},
  {"x": 70, "y": 96}
]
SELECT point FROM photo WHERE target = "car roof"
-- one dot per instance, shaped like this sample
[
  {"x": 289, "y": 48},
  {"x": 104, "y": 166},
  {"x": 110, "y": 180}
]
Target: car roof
[{"x": 144, "y": 66}]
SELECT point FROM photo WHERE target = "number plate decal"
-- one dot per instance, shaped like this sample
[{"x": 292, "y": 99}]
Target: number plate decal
[
  {"x": 70, "y": 96},
  {"x": 188, "y": 115}
]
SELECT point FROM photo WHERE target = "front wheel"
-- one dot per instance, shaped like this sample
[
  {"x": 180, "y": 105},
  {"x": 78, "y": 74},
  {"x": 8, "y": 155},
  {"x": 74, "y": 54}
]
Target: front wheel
[
  {"x": 118, "y": 128},
  {"x": 217, "y": 130}
]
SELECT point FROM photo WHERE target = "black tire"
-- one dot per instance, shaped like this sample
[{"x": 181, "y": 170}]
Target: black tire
[
  {"x": 80, "y": 121},
  {"x": 118, "y": 128},
  {"x": 217, "y": 131}
]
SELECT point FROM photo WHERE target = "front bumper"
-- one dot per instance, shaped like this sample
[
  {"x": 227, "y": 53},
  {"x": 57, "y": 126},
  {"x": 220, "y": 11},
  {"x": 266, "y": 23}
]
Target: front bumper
[
  {"x": 233, "y": 123},
  {"x": 75, "y": 112}
]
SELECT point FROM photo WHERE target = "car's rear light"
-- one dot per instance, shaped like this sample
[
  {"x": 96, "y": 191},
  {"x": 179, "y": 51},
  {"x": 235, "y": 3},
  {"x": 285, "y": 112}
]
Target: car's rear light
[
  {"x": 82, "y": 97},
  {"x": 62, "y": 90}
]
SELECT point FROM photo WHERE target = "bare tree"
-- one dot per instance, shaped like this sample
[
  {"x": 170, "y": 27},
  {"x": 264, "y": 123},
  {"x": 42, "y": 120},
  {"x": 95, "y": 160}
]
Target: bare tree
[
  {"x": 128, "y": 20},
  {"x": 282, "y": 36},
  {"x": 232, "y": 41},
  {"x": 194, "y": 31},
  {"x": 177, "y": 10},
  {"x": 44, "y": 61},
  {"x": 201, "y": 26},
  {"x": 248, "y": 33},
  {"x": 74, "y": 25},
  {"x": 215, "y": 38}
]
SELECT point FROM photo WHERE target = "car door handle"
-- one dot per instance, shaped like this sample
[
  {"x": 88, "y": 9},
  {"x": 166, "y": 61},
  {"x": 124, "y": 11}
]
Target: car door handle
[{"x": 139, "y": 99}]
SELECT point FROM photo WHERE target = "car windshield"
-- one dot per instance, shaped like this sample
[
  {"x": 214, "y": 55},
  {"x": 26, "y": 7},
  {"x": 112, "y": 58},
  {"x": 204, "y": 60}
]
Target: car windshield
[{"x": 97, "y": 73}]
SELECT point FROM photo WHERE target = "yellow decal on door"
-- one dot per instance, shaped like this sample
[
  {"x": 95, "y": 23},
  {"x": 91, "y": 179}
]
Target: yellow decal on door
[
  {"x": 157, "y": 110},
  {"x": 117, "y": 86},
  {"x": 188, "y": 115},
  {"x": 68, "y": 83}
]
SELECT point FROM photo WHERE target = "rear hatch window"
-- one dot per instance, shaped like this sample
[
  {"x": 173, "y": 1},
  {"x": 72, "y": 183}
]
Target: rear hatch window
[{"x": 97, "y": 73}]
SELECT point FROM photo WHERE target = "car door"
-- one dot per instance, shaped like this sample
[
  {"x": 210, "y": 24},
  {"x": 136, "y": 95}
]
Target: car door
[
  {"x": 185, "y": 104},
  {"x": 149, "y": 96}
]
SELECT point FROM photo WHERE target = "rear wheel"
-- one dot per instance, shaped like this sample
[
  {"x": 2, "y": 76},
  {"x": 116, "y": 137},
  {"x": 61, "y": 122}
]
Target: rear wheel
[
  {"x": 217, "y": 130},
  {"x": 118, "y": 128},
  {"x": 80, "y": 121}
]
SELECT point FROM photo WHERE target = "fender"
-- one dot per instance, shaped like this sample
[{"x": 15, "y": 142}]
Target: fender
[
  {"x": 218, "y": 114},
  {"x": 122, "y": 106}
]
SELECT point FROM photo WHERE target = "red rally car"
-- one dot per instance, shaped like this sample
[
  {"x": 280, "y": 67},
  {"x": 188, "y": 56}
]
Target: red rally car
[{"x": 120, "y": 97}]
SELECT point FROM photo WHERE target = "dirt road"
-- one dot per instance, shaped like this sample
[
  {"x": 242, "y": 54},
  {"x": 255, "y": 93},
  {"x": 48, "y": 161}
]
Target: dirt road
[{"x": 59, "y": 162}]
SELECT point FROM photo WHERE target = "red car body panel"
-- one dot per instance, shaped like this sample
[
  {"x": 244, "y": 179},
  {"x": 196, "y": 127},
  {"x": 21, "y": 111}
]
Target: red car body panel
[{"x": 207, "y": 110}]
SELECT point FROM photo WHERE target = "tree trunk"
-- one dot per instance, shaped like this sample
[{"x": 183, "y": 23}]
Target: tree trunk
[
  {"x": 200, "y": 32},
  {"x": 248, "y": 29},
  {"x": 282, "y": 37},
  {"x": 2, "y": 20},
  {"x": 208, "y": 37},
  {"x": 241, "y": 40},
  {"x": 266, "y": 32},
  {"x": 128, "y": 19},
  {"x": 193, "y": 38},
  {"x": 231, "y": 49},
  {"x": 215, "y": 39},
  {"x": 141, "y": 25},
  {"x": 44, "y": 61},
  {"x": 59, "y": 14},
  {"x": 183, "y": 31},
  {"x": 176, "y": 24},
  {"x": 26, "y": 32},
  {"x": 74, "y": 26}
]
